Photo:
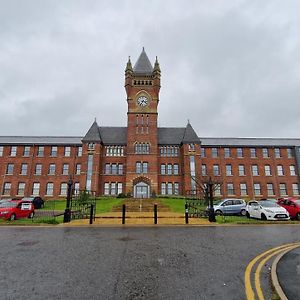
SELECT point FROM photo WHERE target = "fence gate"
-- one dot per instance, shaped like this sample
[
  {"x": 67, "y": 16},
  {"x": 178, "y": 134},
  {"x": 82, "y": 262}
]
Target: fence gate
[{"x": 81, "y": 204}]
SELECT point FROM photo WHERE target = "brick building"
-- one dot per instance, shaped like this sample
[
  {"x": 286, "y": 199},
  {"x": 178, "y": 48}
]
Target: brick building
[{"x": 143, "y": 159}]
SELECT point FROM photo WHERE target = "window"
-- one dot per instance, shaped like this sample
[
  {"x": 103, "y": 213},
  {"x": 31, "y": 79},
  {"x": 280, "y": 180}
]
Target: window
[
  {"x": 138, "y": 167},
  {"x": 1, "y": 150},
  {"x": 290, "y": 153},
  {"x": 106, "y": 188},
  {"x": 230, "y": 189},
  {"x": 277, "y": 153},
  {"x": 113, "y": 188},
  {"x": 228, "y": 170},
  {"x": 252, "y": 152},
  {"x": 107, "y": 169},
  {"x": 203, "y": 170},
  {"x": 38, "y": 169},
  {"x": 214, "y": 152},
  {"x": 120, "y": 169},
  {"x": 51, "y": 169},
  {"x": 227, "y": 152},
  {"x": 191, "y": 147},
  {"x": 257, "y": 189},
  {"x": 142, "y": 148},
  {"x": 268, "y": 170},
  {"x": 292, "y": 170},
  {"x": 114, "y": 169},
  {"x": 217, "y": 190},
  {"x": 280, "y": 170},
  {"x": 169, "y": 151},
  {"x": 145, "y": 167},
  {"x": 91, "y": 146},
  {"x": 65, "y": 170},
  {"x": 295, "y": 187},
  {"x": 24, "y": 168},
  {"x": 26, "y": 151},
  {"x": 163, "y": 188},
  {"x": 282, "y": 189},
  {"x": 114, "y": 151},
  {"x": 216, "y": 170},
  {"x": 241, "y": 170},
  {"x": 10, "y": 169},
  {"x": 21, "y": 188},
  {"x": 119, "y": 188},
  {"x": 79, "y": 151},
  {"x": 175, "y": 169},
  {"x": 170, "y": 188},
  {"x": 7, "y": 188},
  {"x": 265, "y": 152},
  {"x": 176, "y": 188},
  {"x": 270, "y": 189},
  {"x": 36, "y": 189},
  {"x": 76, "y": 188},
  {"x": 89, "y": 174},
  {"x": 162, "y": 169},
  {"x": 13, "y": 151},
  {"x": 63, "y": 189},
  {"x": 254, "y": 170},
  {"x": 243, "y": 188},
  {"x": 53, "y": 151},
  {"x": 67, "y": 151},
  {"x": 78, "y": 169},
  {"x": 49, "y": 189},
  {"x": 40, "y": 152},
  {"x": 169, "y": 170},
  {"x": 203, "y": 152},
  {"x": 239, "y": 152}
]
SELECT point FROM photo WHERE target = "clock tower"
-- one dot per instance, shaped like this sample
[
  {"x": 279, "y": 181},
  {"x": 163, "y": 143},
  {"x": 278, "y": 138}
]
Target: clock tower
[{"x": 142, "y": 84}]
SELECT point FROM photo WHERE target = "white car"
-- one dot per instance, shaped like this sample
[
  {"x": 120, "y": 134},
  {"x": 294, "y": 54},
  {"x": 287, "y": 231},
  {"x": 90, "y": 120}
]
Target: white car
[{"x": 266, "y": 210}]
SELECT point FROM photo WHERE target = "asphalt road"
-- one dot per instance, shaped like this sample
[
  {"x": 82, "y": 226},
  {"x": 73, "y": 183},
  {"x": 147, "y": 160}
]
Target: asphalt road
[{"x": 132, "y": 263}]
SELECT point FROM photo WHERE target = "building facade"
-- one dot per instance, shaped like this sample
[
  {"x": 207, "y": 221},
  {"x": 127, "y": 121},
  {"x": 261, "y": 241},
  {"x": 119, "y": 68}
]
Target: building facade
[{"x": 143, "y": 159}]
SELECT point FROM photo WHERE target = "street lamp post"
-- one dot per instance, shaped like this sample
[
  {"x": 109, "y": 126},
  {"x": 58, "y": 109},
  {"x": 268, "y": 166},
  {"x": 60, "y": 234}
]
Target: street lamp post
[
  {"x": 211, "y": 211},
  {"x": 67, "y": 213}
]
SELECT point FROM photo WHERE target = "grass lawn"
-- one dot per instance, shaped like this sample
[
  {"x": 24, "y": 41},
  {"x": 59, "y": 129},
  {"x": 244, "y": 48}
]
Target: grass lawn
[
  {"x": 175, "y": 205},
  {"x": 105, "y": 204}
]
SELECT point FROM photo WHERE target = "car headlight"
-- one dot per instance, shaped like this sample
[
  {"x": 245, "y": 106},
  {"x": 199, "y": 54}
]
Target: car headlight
[
  {"x": 4, "y": 212},
  {"x": 270, "y": 211}
]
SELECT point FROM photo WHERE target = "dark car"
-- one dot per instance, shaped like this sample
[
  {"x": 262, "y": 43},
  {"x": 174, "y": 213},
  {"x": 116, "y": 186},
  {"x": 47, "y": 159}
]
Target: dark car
[{"x": 37, "y": 202}]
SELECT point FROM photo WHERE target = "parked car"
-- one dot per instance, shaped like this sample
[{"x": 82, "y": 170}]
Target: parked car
[
  {"x": 38, "y": 202},
  {"x": 16, "y": 209},
  {"x": 230, "y": 207},
  {"x": 292, "y": 205},
  {"x": 266, "y": 210}
]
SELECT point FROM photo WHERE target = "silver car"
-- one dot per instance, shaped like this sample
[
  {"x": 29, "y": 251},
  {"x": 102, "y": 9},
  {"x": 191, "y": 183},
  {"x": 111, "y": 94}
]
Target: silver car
[{"x": 230, "y": 207}]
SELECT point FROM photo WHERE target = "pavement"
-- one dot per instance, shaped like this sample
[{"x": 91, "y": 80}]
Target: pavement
[{"x": 288, "y": 273}]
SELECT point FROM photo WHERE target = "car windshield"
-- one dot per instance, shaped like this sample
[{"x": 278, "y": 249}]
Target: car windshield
[
  {"x": 268, "y": 204},
  {"x": 8, "y": 204},
  {"x": 297, "y": 202}
]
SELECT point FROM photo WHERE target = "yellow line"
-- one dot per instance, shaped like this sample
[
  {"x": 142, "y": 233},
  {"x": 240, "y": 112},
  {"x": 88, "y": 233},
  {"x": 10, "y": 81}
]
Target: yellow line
[
  {"x": 248, "y": 288},
  {"x": 259, "y": 267}
]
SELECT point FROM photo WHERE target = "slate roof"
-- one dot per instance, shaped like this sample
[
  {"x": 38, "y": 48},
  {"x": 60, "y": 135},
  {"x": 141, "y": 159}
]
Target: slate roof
[
  {"x": 113, "y": 135},
  {"x": 143, "y": 65},
  {"x": 190, "y": 135},
  {"x": 93, "y": 134},
  {"x": 40, "y": 140}
]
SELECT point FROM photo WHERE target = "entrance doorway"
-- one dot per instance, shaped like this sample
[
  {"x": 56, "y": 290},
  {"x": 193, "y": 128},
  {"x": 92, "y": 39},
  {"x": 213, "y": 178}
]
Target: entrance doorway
[{"x": 141, "y": 190}]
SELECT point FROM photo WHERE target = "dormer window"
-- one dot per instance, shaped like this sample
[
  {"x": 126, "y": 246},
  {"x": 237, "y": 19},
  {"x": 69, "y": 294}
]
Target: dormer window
[
  {"x": 191, "y": 147},
  {"x": 91, "y": 146}
]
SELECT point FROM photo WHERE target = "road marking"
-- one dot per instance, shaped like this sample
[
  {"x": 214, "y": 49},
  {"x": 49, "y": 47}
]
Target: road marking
[{"x": 248, "y": 287}]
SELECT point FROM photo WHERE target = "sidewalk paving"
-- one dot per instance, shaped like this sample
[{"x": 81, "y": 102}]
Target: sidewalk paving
[{"x": 140, "y": 218}]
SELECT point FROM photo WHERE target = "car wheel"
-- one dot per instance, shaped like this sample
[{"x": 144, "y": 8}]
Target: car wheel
[
  {"x": 263, "y": 217},
  {"x": 218, "y": 212},
  {"x": 31, "y": 215},
  {"x": 298, "y": 216},
  {"x": 247, "y": 215},
  {"x": 12, "y": 217},
  {"x": 243, "y": 212}
]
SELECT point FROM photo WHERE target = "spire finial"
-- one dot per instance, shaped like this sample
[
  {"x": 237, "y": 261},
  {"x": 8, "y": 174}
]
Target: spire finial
[
  {"x": 143, "y": 49},
  {"x": 188, "y": 121},
  {"x": 95, "y": 120}
]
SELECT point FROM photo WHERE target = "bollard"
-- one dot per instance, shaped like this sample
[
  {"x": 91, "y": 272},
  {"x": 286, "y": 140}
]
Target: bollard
[
  {"x": 123, "y": 213},
  {"x": 155, "y": 213},
  {"x": 92, "y": 214},
  {"x": 186, "y": 214}
]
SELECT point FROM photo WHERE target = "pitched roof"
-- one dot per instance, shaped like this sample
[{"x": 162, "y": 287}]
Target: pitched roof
[
  {"x": 93, "y": 135},
  {"x": 113, "y": 135},
  {"x": 143, "y": 65},
  {"x": 40, "y": 140},
  {"x": 190, "y": 135}
]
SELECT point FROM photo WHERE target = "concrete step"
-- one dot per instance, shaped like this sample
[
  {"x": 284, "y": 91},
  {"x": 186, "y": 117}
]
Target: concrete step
[{"x": 141, "y": 205}]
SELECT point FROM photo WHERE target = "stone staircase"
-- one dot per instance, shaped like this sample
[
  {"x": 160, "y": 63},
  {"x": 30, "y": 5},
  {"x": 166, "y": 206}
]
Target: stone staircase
[{"x": 141, "y": 205}]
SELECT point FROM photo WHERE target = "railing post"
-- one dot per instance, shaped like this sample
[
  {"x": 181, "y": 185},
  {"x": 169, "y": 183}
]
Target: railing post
[
  {"x": 92, "y": 214},
  {"x": 123, "y": 213},
  {"x": 67, "y": 214},
  {"x": 155, "y": 213},
  {"x": 186, "y": 214}
]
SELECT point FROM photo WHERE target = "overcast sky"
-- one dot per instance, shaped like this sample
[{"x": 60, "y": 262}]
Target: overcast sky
[{"x": 231, "y": 67}]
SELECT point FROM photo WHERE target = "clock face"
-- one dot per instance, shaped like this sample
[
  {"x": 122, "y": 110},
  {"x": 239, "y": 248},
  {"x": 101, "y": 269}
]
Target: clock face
[{"x": 142, "y": 101}]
